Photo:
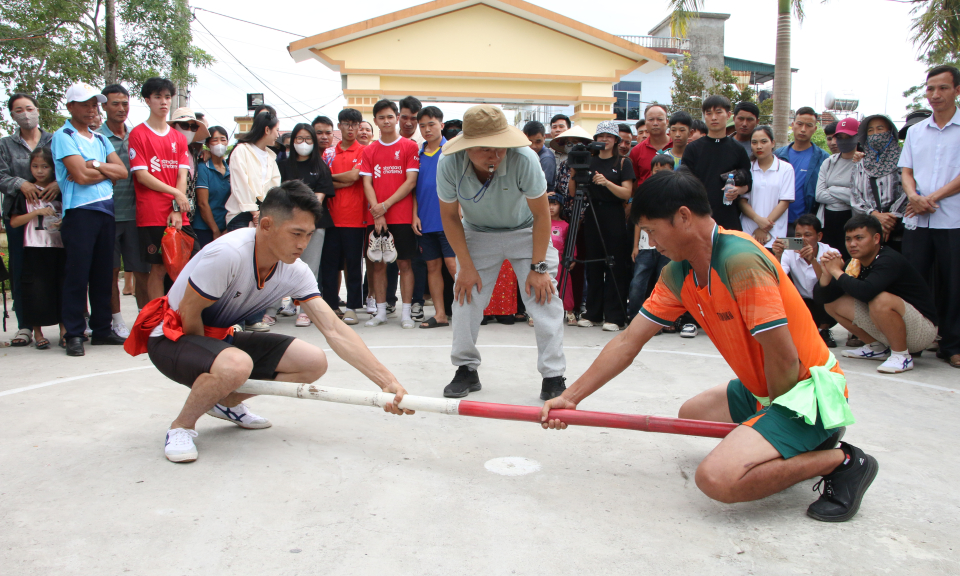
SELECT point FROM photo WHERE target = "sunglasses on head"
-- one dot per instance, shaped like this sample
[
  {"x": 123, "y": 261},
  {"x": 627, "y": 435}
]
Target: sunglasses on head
[{"x": 191, "y": 126}]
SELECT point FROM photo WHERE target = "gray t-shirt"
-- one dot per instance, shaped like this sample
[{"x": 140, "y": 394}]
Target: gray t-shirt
[
  {"x": 502, "y": 205},
  {"x": 835, "y": 183}
]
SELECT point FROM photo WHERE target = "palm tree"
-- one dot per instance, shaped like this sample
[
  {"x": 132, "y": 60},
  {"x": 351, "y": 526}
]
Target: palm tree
[{"x": 684, "y": 10}]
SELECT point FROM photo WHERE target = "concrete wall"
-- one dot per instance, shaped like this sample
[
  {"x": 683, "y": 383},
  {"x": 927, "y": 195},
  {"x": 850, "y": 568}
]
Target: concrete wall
[{"x": 706, "y": 35}]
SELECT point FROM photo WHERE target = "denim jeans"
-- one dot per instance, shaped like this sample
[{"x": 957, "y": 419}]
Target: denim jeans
[{"x": 648, "y": 264}]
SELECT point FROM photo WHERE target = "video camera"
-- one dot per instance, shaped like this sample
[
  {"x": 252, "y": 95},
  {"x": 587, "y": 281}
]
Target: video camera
[{"x": 578, "y": 157}]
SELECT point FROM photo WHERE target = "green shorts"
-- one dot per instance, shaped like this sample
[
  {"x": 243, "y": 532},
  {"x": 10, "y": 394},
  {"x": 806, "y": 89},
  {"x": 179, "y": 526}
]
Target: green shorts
[{"x": 781, "y": 427}]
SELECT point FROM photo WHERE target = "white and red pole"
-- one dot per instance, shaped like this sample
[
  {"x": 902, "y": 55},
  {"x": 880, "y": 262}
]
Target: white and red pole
[{"x": 639, "y": 422}]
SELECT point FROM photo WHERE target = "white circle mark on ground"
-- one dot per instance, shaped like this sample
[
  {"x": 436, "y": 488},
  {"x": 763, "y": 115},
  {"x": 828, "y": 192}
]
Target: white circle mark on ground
[{"x": 512, "y": 466}]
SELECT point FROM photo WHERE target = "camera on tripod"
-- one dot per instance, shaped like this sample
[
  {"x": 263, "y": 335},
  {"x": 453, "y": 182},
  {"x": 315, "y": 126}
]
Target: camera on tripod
[{"x": 578, "y": 157}]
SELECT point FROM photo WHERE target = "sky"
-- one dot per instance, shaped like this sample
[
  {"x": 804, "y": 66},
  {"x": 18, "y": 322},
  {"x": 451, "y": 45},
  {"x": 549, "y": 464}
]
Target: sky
[{"x": 861, "y": 47}]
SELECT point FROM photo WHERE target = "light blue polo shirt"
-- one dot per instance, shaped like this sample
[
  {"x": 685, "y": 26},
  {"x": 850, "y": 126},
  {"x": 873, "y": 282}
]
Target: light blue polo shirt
[
  {"x": 68, "y": 142},
  {"x": 501, "y": 205}
]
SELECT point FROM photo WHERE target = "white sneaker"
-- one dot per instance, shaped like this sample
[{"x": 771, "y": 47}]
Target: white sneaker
[
  {"x": 610, "y": 327},
  {"x": 408, "y": 323},
  {"x": 869, "y": 352},
  {"x": 896, "y": 364},
  {"x": 388, "y": 248},
  {"x": 239, "y": 415},
  {"x": 258, "y": 327},
  {"x": 350, "y": 317},
  {"x": 120, "y": 328},
  {"x": 416, "y": 311},
  {"x": 688, "y": 331},
  {"x": 584, "y": 323},
  {"x": 179, "y": 446},
  {"x": 288, "y": 308},
  {"x": 303, "y": 321},
  {"x": 371, "y": 305},
  {"x": 374, "y": 250},
  {"x": 269, "y": 320},
  {"x": 375, "y": 321}
]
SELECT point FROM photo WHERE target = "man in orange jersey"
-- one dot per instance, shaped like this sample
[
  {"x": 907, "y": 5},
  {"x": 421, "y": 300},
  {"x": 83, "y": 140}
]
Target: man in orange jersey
[{"x": 789, "y": 395}]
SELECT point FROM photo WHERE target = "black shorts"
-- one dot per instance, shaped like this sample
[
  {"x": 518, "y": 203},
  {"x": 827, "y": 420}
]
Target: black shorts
[
  {"x": 150, "y": 238},
  {"x": 186, "y": 359},
  {"x": 403, "y": 238}
]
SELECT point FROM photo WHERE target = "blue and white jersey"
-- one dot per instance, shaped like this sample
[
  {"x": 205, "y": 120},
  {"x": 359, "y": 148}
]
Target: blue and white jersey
[{"x": 225, "y": 272}]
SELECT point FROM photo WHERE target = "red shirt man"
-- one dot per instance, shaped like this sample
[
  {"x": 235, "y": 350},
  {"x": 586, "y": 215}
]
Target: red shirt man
[
  {"x": 388, "y": 165},
  {"x": 347, "y": 207},
  {"x": 164, "y": 155}
]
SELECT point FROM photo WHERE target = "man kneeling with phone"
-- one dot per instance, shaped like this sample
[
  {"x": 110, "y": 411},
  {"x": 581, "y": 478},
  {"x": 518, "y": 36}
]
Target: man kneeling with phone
[{"x": 800, "y": 259}]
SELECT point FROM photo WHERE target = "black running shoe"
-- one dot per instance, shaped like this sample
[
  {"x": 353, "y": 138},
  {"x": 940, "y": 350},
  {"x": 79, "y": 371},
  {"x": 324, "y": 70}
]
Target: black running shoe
[
  {"x": 833, "y": 441},
  {"x": 843, "y": 489},
  {"x": 552, "y": 387},
  {"x": 464, "y": 382},
  {"x": 828, "y": 338}
]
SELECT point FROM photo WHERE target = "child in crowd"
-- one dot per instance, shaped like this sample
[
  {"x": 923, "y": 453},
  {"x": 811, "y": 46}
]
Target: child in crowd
[
  {"x": 43, "y": 260},
  {"x": 647, "y": 262},
  {"x": 558, "y": 234}
]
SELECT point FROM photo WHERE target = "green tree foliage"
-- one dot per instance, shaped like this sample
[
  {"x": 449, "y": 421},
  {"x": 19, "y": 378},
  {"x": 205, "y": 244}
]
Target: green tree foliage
[
  {"x": 819, "y": 138},
  {"x": 688, "y": 89},
  {"x": 47, "y": 45}
]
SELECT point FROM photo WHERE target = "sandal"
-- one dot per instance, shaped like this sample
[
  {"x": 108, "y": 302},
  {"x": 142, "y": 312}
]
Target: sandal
[
  {"x": 23, "y": 337},
  {"x": 63, "y": 341},
  {"x": 432, "y": 323},
  {"x": 42, "y": 344}
]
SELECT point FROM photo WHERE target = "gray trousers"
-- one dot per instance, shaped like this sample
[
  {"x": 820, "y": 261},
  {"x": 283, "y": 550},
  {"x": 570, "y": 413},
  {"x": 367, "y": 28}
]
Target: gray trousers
[
  {"x": 488, "y": 250},
  {"x": 311, "y": 257}
]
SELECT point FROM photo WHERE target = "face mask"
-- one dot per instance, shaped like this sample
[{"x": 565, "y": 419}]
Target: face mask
[
  {"x": 878, "y": 141},
  {"x": 187, "y": 134},
  {"x": 303, "y": 148},
  {"x": 27, "y": 120},
  {"x": 846, "y": 145},
  {"x": 218, "y": 150},
  {"x": 568, "y": 147}
]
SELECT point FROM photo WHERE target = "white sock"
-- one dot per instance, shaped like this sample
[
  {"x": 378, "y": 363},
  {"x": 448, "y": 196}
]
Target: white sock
[
  {"x": 904, "y": 353},
  {"x": 405, "y": 314},
  {"x": 382, "y": 310},
  {"x": 117, "y": 317},
  {"x": 877, "y": 345}
]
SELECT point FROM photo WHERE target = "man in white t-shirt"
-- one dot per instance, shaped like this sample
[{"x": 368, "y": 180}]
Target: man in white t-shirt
[
  {"x": 803, "y": 267},
  {"x": 189, "y": 336}
]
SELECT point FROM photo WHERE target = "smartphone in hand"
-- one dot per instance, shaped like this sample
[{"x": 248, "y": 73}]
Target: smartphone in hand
[{"x": 792, "y": 243}]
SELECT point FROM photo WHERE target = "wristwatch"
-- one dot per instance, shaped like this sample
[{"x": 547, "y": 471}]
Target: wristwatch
[
  {"x": 539, "y": 267},
  {"x": 96, "y": 165}
]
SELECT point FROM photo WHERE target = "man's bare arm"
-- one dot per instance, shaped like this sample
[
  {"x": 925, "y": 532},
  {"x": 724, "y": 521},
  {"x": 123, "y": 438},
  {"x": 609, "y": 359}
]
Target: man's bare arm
[
  {"x": 191, "y": 306},
  {"x": 348, "y": 345},
  {"x": 781, "y": 364}
]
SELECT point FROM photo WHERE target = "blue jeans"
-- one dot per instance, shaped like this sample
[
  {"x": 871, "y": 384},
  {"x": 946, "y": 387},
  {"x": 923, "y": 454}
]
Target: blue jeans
[{"x": 648, "y": 264}]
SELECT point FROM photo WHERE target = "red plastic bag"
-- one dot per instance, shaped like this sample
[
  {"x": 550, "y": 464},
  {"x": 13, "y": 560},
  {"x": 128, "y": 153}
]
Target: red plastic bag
[{"x": 176, "y": 248}]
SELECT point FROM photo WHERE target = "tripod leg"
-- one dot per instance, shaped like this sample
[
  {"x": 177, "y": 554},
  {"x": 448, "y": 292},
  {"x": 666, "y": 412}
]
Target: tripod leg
[{"x": 609, "y": 261}]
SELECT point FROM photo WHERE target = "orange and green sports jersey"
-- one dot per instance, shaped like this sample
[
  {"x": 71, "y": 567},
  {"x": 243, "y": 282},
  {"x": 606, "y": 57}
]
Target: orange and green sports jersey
[{"x": 747, "y": 293}]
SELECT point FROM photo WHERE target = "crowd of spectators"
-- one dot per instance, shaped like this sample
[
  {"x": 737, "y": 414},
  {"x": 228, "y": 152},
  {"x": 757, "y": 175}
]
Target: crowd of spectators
[{"x": 869, "y": 232}]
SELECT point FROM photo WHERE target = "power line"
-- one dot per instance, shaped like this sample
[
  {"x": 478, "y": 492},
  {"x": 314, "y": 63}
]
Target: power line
[
  {"x": 248, "y": 22},
  {"x": 252, "y": 73}
]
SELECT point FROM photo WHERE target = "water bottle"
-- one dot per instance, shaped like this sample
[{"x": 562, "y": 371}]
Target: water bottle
[{"x": 729, "y": 186}]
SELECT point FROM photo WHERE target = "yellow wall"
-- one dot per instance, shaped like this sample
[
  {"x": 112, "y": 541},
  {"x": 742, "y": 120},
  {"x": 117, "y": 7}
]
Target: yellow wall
[{"x": 487, "y": 40}]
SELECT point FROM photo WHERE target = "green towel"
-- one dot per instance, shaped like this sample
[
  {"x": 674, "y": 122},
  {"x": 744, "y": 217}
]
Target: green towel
[{"x": 821, "y": 393}]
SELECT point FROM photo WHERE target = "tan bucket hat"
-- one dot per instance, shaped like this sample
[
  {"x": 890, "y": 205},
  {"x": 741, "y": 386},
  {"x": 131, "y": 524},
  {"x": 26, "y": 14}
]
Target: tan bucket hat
[
  {"x": 485, "y": 126},
  {"x": 576, "y": 133},
  {"x": 187, "y": 115}
]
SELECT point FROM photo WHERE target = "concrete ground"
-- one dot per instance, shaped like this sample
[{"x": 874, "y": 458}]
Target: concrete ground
[{"x": 335, "y": 489}]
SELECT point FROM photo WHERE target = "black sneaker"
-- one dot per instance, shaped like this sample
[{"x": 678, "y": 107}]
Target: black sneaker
[
  {"x": 828, "y": 338},
  {"x": 391, "y": 308},
  {"x": 552, "y": 387},
  {"x": 843, "y": 489},
  {"x": 833, "y": 441},
  {"x": 464, "y": 382}
]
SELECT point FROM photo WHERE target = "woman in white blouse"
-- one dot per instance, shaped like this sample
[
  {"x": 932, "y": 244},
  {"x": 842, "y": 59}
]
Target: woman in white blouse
[
  {"x": 253, "y": 170},
  {"x": 765, "y": 206}
]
